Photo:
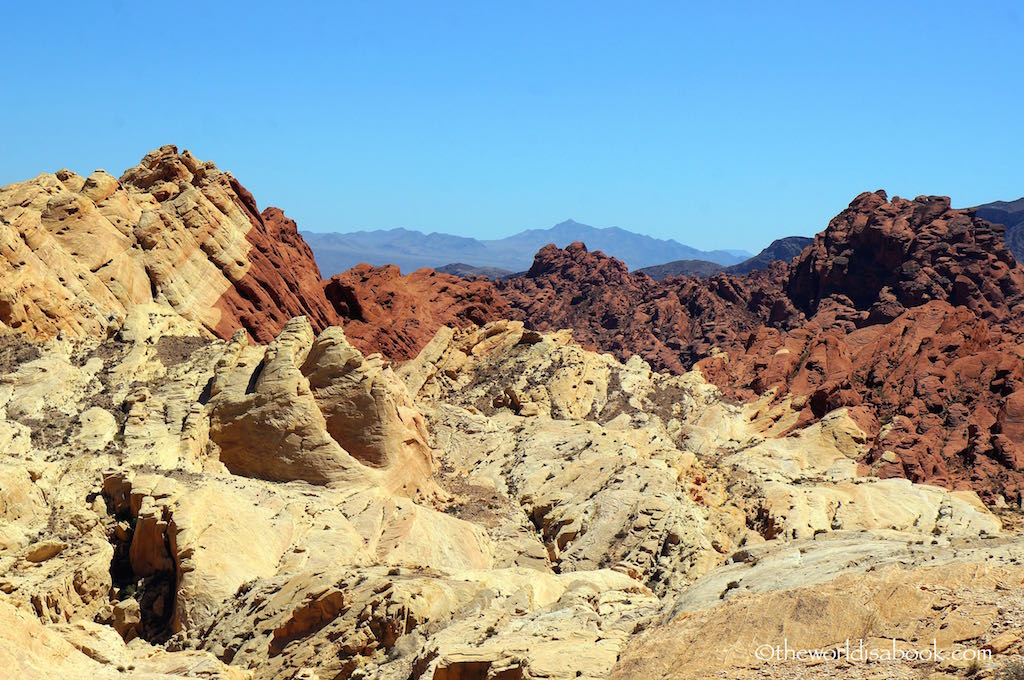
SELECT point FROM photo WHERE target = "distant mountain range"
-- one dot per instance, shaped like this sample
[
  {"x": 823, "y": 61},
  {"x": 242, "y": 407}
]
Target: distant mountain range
[
  {"x": 411, "y": 250},
  {"x": 1011, "y": 215},
  {"x": 658, "y": 258},
  {"x": 464, "y": 270},
  {"x": 701, "y": 268},
  {"x": 780, "y": 249}
]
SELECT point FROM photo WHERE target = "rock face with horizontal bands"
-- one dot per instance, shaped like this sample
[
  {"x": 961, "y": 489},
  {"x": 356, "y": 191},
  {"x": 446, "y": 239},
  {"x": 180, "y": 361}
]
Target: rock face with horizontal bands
[{"x": 76, "y": 253}]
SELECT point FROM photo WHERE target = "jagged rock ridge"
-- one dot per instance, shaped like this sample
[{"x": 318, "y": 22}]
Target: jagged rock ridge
[
  {"x": 906, "y": 311},
  {"x": 76, "y": 253}
]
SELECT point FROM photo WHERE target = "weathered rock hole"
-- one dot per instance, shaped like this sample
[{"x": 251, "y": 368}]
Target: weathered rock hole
[{"x": 142, "y": 570}]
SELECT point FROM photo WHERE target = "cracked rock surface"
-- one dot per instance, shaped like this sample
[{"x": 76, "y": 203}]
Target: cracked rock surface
[{"x": 504, "y": 505}]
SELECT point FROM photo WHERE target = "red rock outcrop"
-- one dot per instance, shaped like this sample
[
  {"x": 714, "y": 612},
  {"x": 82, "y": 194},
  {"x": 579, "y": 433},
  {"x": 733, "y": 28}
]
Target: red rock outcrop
[
  {"x": 384, "y": 311},
  {"x": 284, "y": 281},
  {"x": 905, "y": 311},
  {"x": 887, "y": 256},
  {"x": 914, "y": 324},
  {"x": 669, "y": 323},
  {"x": 935, "y": 388}
]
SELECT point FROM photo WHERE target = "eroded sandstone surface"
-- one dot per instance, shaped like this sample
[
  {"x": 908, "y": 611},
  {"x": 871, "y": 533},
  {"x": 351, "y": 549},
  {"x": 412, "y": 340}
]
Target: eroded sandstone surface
[
  {"x": 77, "y": 252},
  {"x": 506, "y": 504},
  {"x": 214, "y": 464},
  {"x": 397, "y": 315}
]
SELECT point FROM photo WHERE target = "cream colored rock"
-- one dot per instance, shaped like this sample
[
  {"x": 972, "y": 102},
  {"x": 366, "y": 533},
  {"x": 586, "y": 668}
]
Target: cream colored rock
[
  {"x": 1003, "y": 642},
  {"x": 77, "y": 254},
  {"x": 224, "y": 537},
  {"x": 369, "y": 412},
  {"x": 22, "y": 506},
  {"x": 417, "y": 372},
  {"x": 318, "y": 620},
  {"x": 593, "y": 611},
  {"x": 213, "y": 538},
  {"x": 267, "y": 423},
  {"x": 30, "y": 650},
  {"x": 50, "y": 384},
  {"x": 98, "y": 428},
  {"x": 915, "y": 604},
  {"x": 86, "y": 651},
  {"x": 682, "y": 479},
  {"x": 322, "y": 413},
  {"x": 127, "y": 619},
  {"x": 60, "y": 581},
  {"x": 506, "y": 505}
]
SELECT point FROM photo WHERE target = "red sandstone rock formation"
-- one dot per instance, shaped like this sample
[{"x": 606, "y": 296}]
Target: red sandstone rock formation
[
  {"x": 669, "y": 323},
  {"x": 397, "y": 315},
  {"x": 929, "y": 387},
  {"x": 907, "y": 312},
  {"x": 283, "y": 282},
  {"x": 888, "y": 256},
  {"x": 281, "y": 279}
]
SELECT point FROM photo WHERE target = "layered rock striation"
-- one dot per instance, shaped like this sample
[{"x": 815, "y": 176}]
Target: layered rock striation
[{"x": 77, "y": 252}]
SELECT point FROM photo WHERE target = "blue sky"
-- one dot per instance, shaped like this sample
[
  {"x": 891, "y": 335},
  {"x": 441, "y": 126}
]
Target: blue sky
[{"x": 722, "y": 125}]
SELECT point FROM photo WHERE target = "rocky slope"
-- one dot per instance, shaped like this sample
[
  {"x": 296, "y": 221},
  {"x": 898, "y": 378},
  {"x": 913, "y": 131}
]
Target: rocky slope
[
  {"x": 911, "y": 317},
  {"x": 670, "y": 324},
  {"x": 77, "y": 252},
  {"x": 505, "y": 505},
  {"x": 195, "y": 483}
]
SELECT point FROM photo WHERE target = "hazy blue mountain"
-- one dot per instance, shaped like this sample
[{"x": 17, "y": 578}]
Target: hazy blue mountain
[
  {"x": 1010, "y": 214},
  {"x": 701, "y": 268},
  {"x": 636, "y": 250},
  {"x": 464, "y": 270},
  {"x": 411, "y": 250},
  {"x": 780, "y": 249}
]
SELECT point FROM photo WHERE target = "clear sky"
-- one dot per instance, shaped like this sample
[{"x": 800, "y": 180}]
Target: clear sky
[{"x": 722, "y": 125}]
